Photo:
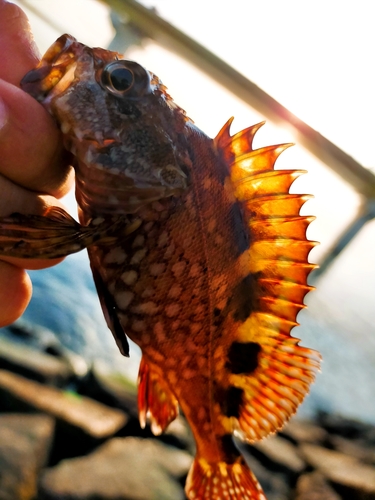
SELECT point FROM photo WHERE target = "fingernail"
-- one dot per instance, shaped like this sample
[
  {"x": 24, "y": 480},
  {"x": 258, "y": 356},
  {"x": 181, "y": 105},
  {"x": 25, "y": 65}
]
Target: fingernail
[{"x": 3, "y": 114}]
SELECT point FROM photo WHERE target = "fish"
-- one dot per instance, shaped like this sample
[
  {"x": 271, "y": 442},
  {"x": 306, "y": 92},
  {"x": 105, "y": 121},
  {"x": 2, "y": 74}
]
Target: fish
[{"x": 198, "y": 252}]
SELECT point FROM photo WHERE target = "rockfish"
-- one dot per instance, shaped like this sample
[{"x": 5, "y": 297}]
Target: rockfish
[{"x": 198, "y": 253}]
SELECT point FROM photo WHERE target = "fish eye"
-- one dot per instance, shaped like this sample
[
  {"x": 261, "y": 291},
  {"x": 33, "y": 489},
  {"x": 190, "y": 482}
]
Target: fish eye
[
  {"x": 121, "y": 79},
  {"x": 117, "y": 78},
  {"x": 125, "y": 78}
]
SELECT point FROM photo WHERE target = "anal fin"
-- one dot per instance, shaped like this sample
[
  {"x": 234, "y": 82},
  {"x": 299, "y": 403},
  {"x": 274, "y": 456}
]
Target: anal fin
[{"x": 156, "y": 403}]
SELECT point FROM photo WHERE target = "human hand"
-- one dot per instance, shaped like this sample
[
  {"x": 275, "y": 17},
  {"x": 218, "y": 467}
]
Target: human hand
[{"x": 34, "y": 171}]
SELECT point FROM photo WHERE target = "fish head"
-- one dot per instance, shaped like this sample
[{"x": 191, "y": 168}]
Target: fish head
[{"x": 126, "y": 132}]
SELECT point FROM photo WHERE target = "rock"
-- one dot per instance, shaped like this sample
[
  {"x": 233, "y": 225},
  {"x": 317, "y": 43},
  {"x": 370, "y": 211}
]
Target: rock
[
  {"x": 299, "y": 430},
  {"x": 357, "y": 449},
  {"x": 275, "y": 484},
  {"x": 116, "y": 390},
  {"x": 178, "y": 433},
  {"x": 43, "y": 340},
  {"x": 33, "y": 364},
  {"x": 25, "y": 442},
  {"x": 349, "y": 476},
  {"x": 349, "y": 428},
  {"x": 127, "y": 468},
  {"x": 110, "y": 388},
  {"x": 313, "y": 486},
  {"x": 92, "y": 418},
  {"x": 21, "y": 330},
  {"x": 280, "y": 454}
]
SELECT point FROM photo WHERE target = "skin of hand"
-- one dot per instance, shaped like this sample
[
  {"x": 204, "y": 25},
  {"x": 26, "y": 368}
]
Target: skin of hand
[{"x": 34, "y": 169}]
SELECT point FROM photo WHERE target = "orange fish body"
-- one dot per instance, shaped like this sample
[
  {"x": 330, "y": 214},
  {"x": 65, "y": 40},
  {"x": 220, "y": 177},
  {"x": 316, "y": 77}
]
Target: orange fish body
[{"x": 198, "y": 253}]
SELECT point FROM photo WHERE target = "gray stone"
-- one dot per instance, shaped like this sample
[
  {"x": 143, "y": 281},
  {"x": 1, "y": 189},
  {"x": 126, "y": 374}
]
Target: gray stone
[
  {"x": 25, "y": 442},
  {"x": 275, "y": 484},
  {"x": 127, "y": 468},
  {"x": 355, "y": 449},
  {"x": 348, "y": 428},
  {"x": 111, "y": 388},
  {"x": 282, "y": 453},
  {"x": 179, "y": 432},
  {"x": 92, "y": 418},
  {"x": 114, "y": 389},
  {"x": 33, "y": 364},
  {"x": 299, "y": 430},
  {"x": 313, "y": 486},
  {"x": 353, "y": 478}
]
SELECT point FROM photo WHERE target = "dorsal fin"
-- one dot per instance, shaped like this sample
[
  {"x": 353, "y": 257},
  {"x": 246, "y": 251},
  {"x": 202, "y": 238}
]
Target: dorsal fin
[
  {"x": 279, "y": 248},
  {"x": 278, "y": 262}
]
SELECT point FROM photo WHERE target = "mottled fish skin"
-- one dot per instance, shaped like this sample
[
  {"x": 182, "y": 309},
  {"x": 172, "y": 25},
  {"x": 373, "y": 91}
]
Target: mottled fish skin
[{"x": 204, "y": 264}]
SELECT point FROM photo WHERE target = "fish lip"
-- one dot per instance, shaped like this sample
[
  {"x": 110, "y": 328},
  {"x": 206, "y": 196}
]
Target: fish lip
[
  {"x": 65, "y": 62},
  {"x": 41, "y": 82},
  {"x": 58, "y": 62}
]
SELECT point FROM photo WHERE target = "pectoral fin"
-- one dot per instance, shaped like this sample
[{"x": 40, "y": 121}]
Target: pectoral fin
[
  {"x": 110, "y": 313},
  {"x": 55, "y": 234}
]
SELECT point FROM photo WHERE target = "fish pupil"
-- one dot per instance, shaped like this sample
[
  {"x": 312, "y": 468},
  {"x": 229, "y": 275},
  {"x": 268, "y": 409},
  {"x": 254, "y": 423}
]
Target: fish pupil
[{"x": 121, "y": 79}]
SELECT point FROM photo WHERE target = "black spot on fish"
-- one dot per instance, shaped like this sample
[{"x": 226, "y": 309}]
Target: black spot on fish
[
  {"x": 230, "y": 400},
  {"x": 234, "y": 399},
  {"x": 240, "y": 234},
  {"x": 244, "y": 299},
  {"x": 229, "y": 449},
  {"x": 218, "y": 317},
  {"x": 243, "y": 357}
]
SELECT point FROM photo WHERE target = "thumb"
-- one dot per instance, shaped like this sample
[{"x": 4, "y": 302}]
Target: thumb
[{"x": 18, "y": 52}]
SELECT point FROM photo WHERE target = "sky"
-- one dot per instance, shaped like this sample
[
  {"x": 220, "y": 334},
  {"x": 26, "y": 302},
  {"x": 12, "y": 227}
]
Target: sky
[{"x": 313, "y": 56}]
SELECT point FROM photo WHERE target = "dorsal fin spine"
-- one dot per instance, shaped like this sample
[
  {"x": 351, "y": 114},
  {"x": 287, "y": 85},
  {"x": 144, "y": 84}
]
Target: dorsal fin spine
[
  {"x": 223, "y": 138},
  {"x": 277, "y": 259},
  {"x": 255, "y": 162},
  {"x": 273, "y": 182}
]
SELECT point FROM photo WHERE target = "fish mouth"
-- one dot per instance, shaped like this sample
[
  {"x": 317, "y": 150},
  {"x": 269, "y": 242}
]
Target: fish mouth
[{"x": 56, "y": 70}]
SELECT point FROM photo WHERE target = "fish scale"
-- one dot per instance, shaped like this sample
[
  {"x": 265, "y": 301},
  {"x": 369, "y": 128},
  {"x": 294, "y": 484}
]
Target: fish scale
[{"x": 198, "y": 253}]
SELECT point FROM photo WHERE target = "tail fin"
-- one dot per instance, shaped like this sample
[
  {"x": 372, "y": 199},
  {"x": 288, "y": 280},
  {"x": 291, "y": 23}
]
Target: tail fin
[{"x": 222, "y": 481}]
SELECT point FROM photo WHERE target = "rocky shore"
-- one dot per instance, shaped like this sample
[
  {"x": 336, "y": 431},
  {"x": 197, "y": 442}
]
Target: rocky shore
[{"x": 68, "y": 435}]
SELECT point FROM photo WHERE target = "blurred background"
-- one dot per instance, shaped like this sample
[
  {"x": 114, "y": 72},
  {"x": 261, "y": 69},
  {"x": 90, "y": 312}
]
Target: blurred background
[{"x": 306, "y": 68}]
